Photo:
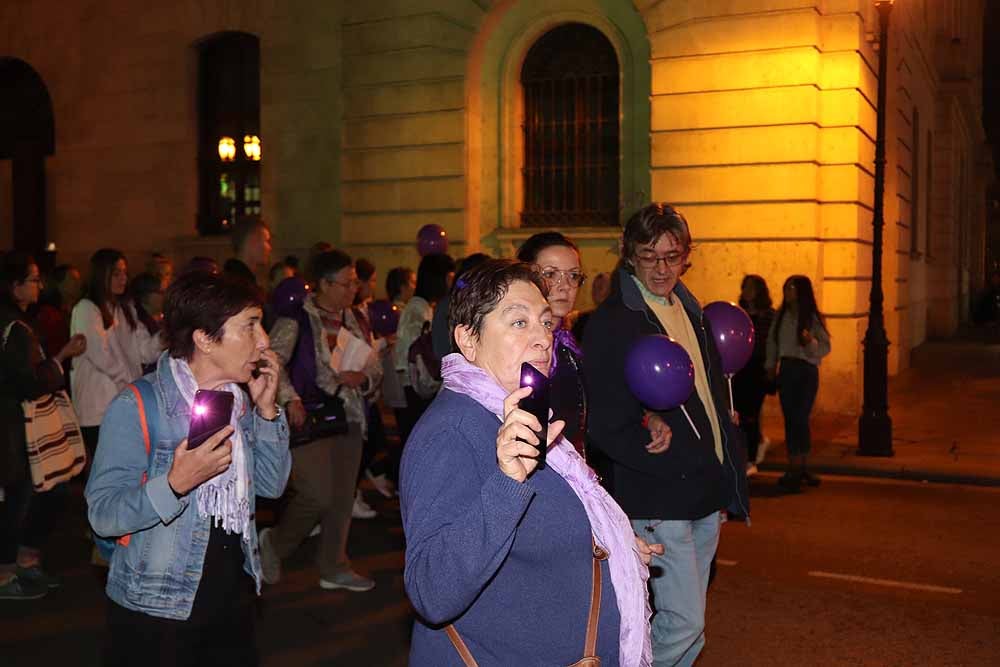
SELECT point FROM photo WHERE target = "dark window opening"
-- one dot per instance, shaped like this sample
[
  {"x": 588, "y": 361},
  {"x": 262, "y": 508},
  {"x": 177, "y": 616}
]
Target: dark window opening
[
  {"x": 229, "y": 144},
  {"x": 571, "y": 129}
]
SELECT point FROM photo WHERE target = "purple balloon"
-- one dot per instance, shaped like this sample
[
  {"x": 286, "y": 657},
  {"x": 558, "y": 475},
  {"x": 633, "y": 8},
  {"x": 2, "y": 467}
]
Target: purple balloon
[
  {"x": 432, "y": 239},
  {"x": 659, "y": 372},
  {"x": 384, "y": 317},
  {"x": 733, "y": 332},
  {"x": 289, "y": 296}
]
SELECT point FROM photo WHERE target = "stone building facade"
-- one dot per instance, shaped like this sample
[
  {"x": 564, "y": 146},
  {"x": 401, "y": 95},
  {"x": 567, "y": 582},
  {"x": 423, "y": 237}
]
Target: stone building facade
[{"x": 755, "y": 117}]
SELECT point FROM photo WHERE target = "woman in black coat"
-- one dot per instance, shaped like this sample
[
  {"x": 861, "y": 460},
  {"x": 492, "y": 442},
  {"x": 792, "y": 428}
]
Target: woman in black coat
[{"x": 26, "y": 518}]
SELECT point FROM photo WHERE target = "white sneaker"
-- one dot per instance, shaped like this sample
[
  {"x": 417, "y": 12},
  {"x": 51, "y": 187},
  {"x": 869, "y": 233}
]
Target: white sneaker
[
  {"x": 362, "y": 510},
  {"x": 317, "y": 529},
  {"x": 765, "y": 442},
  {"x": 349, "y": 580},
  {"x": 751, "y": 470},
  {"x": 382, "y": 484}
]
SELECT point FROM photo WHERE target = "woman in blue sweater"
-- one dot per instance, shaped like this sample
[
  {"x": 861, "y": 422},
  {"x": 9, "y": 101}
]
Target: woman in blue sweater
[{"x": 503, "y": 556}]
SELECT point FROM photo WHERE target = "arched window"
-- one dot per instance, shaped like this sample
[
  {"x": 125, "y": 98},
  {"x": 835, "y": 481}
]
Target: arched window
[
  {"x": 571, "y": 129},
  {"x": 229, "y": 143}
]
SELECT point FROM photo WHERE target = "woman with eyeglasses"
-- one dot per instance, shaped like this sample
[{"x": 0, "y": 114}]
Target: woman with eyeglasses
[
  {"x": 324, "y": 462},
  {"x": 557, "y": 260}
]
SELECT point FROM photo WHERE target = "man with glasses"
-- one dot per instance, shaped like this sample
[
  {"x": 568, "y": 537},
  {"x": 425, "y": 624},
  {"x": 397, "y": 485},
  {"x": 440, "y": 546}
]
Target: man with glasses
[{"x": 671, "y": 479}]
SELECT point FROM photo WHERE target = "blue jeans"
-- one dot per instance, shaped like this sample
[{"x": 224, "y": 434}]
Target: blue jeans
[{"x": 679, "y": 583}]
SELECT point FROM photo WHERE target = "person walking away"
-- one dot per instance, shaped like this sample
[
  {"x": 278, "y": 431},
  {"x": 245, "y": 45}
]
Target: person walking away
[
  {"x": 796, "y": 344},
  {"x": 750, "y": 384},
  {"x": 324, "y": 469},
  {"x": 671, "y": 479},
  {"x": 251, "y": 239},
  {"x": 26, "y": 517},
  {"x": 434, "y": 277}
]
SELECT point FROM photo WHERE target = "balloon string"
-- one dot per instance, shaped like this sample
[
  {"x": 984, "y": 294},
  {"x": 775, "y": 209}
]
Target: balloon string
[
  {"x": 693, "y": 427},
  {"x": 729, "y": 379}
]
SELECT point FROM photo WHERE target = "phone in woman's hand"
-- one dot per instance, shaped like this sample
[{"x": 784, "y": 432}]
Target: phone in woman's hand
[
  {"x": 210, "y": 413},
  {"x": 537, "y": 404}
]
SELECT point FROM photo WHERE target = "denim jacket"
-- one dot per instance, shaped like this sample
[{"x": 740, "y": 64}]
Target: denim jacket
[{"x": 158, "y": 573}]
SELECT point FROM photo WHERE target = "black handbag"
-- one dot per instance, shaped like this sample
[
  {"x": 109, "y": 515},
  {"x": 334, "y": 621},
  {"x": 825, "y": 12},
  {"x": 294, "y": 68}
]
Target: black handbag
[{"x": 325, "y": 417}]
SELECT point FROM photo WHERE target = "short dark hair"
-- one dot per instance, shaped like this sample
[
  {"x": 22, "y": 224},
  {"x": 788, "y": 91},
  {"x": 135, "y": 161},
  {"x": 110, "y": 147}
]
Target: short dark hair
[
  {"x": 651, "y": 222},
  {"x": 395, "y": 279},
  {"x": 528, "y": 252},
  {"x": 364, "y": 268},
  {"x": 432, "y": 276},
  {"x": 328, "y": 263},
  {"x": 201, "y": 300},
  {"x": 243, "y": 228},
  {"x": 482, "y": 288},
  {"x": 201, "y": 264},
  {"x": 14, "y": 268}
]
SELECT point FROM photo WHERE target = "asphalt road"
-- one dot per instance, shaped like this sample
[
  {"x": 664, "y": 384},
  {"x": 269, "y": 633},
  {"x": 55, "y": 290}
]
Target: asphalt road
[{"x": 856, "y": 572}]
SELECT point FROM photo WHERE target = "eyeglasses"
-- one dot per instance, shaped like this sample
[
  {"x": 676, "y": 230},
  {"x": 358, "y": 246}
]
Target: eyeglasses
[
  {"x": 354, "y": 284},
  {"x": 649, "y": 260},
  {"x": 556, "y": 276}
]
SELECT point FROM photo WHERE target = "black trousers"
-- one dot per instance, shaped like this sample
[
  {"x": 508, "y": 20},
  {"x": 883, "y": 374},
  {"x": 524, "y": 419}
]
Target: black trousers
[
  {"x": 798, "y": 382},
  {"x": 139, "y": 639},
  {"x": 28, "y": 518},
  {"x": 749, "y": 392}
]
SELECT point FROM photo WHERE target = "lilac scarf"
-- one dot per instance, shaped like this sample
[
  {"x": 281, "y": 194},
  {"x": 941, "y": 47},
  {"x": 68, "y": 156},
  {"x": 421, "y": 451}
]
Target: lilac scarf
[
  {"x": 611, "y": 527},
  {"x": 225, "y": 497}
]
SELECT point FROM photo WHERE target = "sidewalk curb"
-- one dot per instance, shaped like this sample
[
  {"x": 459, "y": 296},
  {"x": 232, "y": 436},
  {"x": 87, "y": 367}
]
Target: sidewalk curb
[{"x": 911, "y": 475}]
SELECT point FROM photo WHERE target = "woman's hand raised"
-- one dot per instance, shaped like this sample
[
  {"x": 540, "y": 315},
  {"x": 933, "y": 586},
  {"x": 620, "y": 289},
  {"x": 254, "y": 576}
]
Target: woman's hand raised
[{"x": 517, "y": 450}]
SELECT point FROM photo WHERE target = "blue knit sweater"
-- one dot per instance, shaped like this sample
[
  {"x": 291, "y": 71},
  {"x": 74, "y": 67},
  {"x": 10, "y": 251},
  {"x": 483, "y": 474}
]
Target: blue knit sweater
[{"x": 509, "y": 564}]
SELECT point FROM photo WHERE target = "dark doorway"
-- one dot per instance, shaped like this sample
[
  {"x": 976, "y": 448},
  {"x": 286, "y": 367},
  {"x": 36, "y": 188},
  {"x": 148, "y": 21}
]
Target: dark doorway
[{"x": 27, "y": 137}]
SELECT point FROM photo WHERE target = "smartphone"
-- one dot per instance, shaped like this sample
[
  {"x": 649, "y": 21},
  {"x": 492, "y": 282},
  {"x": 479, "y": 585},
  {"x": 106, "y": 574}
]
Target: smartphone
[
  {"x": 259, "y": 364},
  {"x": 209, "y": 415},
  {"x": 537, "y": 404}
]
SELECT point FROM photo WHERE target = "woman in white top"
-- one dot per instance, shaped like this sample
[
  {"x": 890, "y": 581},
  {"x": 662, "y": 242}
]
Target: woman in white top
[
  {"x": 434, "y": 276},
  {"x": 796, "y": 343},
  {"x": 117, "y": 343}
]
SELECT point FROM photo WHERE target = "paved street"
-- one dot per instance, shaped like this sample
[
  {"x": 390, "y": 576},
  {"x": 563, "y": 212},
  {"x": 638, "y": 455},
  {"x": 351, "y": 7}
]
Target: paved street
[{"x": 792, "y": 590}]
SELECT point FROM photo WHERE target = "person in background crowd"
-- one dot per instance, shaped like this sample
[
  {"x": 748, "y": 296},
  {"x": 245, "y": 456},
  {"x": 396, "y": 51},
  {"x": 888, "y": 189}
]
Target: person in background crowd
[
  {"x": 750, "y": 385},
  {"x": 796, "y": 344},
  {"x": 439, "y": 323},
  {"x": 315, "y": 250},
  {"x": 201, "y": 265},
  {"x": 434, "y": 277},
  {"x": 160, "y": 266},
  {"x": 26, "y": 517},
  {"x": 503, "y": 555},
  {"x": 146, "y": 296},
  {"x": 279, "y": 271},
  {"x": 671, "y": 478},
  {"x": 600, "y": 288},
  {"x": 181, "y": 585},
  {"x": 251, "y": 239},
  {"x": 557, "y": 260},
  {"x": 325, "y": 469},
  {"x": 375, "y": 442},
  {"x": 117, "y": 346},
  {"x": 62, "y": 291},
  {"x": 400, "y": 284}
]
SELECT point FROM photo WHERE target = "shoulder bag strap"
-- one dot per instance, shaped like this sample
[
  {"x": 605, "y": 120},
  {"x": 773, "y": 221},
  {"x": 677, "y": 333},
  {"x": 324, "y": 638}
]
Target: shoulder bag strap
[
  {"x": 143, "y": 392},
  {"x": 590, "y": 643}
]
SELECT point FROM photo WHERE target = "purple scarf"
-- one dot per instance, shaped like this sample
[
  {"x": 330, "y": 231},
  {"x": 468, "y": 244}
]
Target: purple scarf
[{"x": 611, "y": 527}]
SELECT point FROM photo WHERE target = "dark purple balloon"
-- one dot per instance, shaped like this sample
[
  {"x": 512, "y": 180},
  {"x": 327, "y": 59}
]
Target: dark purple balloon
[
  {"x": 384, "y": 317},
  {"x": 659, "y": 372},
  {"x": 733, "y": 332},
  {"x": 432, "y": 239},
  {"x": 288, "y": 296}
]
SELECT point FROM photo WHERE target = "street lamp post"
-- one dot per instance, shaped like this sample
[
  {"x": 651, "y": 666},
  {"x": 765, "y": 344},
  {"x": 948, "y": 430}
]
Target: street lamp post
[{"x": 875, "y": 426}]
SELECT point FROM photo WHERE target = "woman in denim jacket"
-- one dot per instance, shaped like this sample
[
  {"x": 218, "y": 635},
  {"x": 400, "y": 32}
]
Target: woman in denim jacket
[{"x": 182, "y": 578}]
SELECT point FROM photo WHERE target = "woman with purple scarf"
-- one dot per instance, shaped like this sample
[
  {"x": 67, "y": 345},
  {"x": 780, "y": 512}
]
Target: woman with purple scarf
[{"x": 504, "y": 557}]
